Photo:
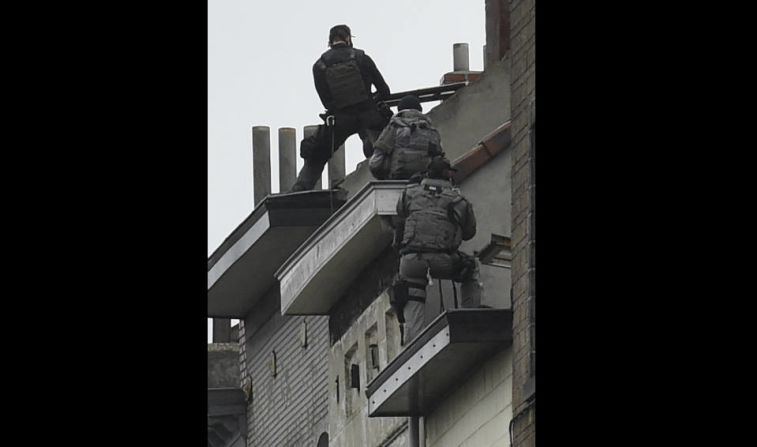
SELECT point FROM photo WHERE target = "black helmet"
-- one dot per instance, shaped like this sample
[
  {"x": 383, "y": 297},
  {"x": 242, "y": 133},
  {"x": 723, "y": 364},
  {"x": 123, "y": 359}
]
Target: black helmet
[
  {"x": 410, "y": 102},
  {"x": 341, "y": 31}
]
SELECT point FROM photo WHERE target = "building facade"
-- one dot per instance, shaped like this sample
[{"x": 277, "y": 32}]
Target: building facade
[{"x": 321, "y": 357}]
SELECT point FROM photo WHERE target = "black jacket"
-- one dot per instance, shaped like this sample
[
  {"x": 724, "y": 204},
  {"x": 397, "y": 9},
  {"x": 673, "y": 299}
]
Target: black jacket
[{"x": 339, "y": 53}]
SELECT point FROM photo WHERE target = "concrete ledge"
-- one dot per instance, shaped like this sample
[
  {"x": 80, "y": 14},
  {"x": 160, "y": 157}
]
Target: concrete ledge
[
  {"x": 317, "y": 273},
  {"x": 222, "y": 347},
  {"x": 437, "y": 360},
  {"x": 241, "y": 270}
]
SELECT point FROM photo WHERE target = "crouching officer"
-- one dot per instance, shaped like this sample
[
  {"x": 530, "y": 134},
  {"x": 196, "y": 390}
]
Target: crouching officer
[
  {"x": 407, "y": 144},
  {"x": 433, "y": 220},
  {"x": 343, "y": 78}
]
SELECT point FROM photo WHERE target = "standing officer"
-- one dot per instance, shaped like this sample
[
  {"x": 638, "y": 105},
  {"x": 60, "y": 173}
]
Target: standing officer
[{"x": 343, "y": 77}]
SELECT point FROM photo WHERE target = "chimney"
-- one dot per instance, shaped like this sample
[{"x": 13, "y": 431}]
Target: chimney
[
  {"x": 287, "y": 158},
  {"x": 497, "y": 30},
  {"x": 460, "y": 67},
  {"x": 261, "y": 163},
  {"x": 460, "y": 59}
]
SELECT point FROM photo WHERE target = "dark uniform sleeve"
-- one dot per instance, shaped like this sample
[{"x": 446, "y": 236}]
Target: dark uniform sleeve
[
  {"x": 379, "y": 164},
  {"x": 399, "y": 221},
  {"x": 381, "y": 88},
  {"x": 467, "y": 219},
  {"x": 319, "y": 77},
  {"x": 385, "y": 140}
]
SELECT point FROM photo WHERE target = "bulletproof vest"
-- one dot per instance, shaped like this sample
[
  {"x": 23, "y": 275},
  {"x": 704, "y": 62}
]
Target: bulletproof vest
[
  {"x": 431, "y": 225},
  {"x": 415, "y": 142},
  {"x": 345, "y": 81}
]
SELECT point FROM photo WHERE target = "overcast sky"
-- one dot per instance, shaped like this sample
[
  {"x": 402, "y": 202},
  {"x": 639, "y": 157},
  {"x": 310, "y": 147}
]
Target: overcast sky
[{"x": 260, "y": 58}]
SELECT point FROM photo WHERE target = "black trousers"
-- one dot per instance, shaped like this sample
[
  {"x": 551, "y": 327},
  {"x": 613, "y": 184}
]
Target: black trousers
[{"x": 367, "y": 122}]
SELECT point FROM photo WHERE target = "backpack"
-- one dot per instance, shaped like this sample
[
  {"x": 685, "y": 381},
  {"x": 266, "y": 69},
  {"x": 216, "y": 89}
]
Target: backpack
[
  {"x": 346, "y": 82},
  {"x": 416, "y": 142}
]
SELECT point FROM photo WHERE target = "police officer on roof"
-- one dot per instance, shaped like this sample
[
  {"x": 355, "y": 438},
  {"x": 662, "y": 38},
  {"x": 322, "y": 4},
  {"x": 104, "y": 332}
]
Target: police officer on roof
[
  {"x": 433, "y": 220},
  {"x": 343, "y": 77},
  {"x": 407, "y": 144}
]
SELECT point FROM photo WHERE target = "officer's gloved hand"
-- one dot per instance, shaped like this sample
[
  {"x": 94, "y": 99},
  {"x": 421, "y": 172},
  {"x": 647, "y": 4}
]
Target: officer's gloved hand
[
  {"x": 384, "y": 110},
  {"x": 415, "y": 178}
]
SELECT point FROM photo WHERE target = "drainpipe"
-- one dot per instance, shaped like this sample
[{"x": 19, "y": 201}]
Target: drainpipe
[{"x": 415, "y": 433}]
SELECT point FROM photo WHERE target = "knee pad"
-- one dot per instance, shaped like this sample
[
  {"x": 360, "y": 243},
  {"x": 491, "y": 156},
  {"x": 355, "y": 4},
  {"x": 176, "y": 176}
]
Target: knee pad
[{"x": 315, "y": 147}]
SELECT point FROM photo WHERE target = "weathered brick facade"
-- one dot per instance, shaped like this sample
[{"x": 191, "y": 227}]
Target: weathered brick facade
[{"x": 522, "y": 44}]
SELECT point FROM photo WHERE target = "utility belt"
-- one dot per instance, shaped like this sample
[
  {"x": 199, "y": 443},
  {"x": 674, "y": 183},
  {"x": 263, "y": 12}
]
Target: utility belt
[
  {"x": 412, "y": 250},
  {"x": 465, "y": 265}
]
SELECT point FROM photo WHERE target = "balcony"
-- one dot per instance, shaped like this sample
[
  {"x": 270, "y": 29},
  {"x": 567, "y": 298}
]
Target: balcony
[
  {"x": 316, "y": 275},
  {"x": 241, "y": 270},
  {"x": 433, "y": 364}
]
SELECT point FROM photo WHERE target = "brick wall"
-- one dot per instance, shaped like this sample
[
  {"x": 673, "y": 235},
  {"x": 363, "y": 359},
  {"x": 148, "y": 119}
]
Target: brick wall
[
  {"x": 497, "y": 30},
  {"x": 291, "y": 408},
  {"x": 522, "y": 44}
]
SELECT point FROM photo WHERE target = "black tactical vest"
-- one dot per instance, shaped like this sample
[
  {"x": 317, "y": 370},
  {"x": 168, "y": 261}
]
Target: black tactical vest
[
  {"x": 430, "y": 225},
  {"x": 345, "y": 82}
]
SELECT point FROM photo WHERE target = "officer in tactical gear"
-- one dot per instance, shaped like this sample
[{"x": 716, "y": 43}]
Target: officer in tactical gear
[
  {"x": 343, "y": 78},
  {"x": 407, "y": 144},
  {"x": 433, "y": 219}
]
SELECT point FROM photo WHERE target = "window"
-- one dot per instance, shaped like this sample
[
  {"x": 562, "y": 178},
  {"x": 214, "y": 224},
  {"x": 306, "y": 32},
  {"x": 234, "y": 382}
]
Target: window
[
  {"x": 372, "y": 361},
  {"x": 351, "y": 394}
]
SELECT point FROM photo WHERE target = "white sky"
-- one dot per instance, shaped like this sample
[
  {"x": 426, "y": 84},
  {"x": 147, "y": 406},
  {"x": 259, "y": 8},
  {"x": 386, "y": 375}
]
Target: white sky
[{"x": 260, "y": 58}]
